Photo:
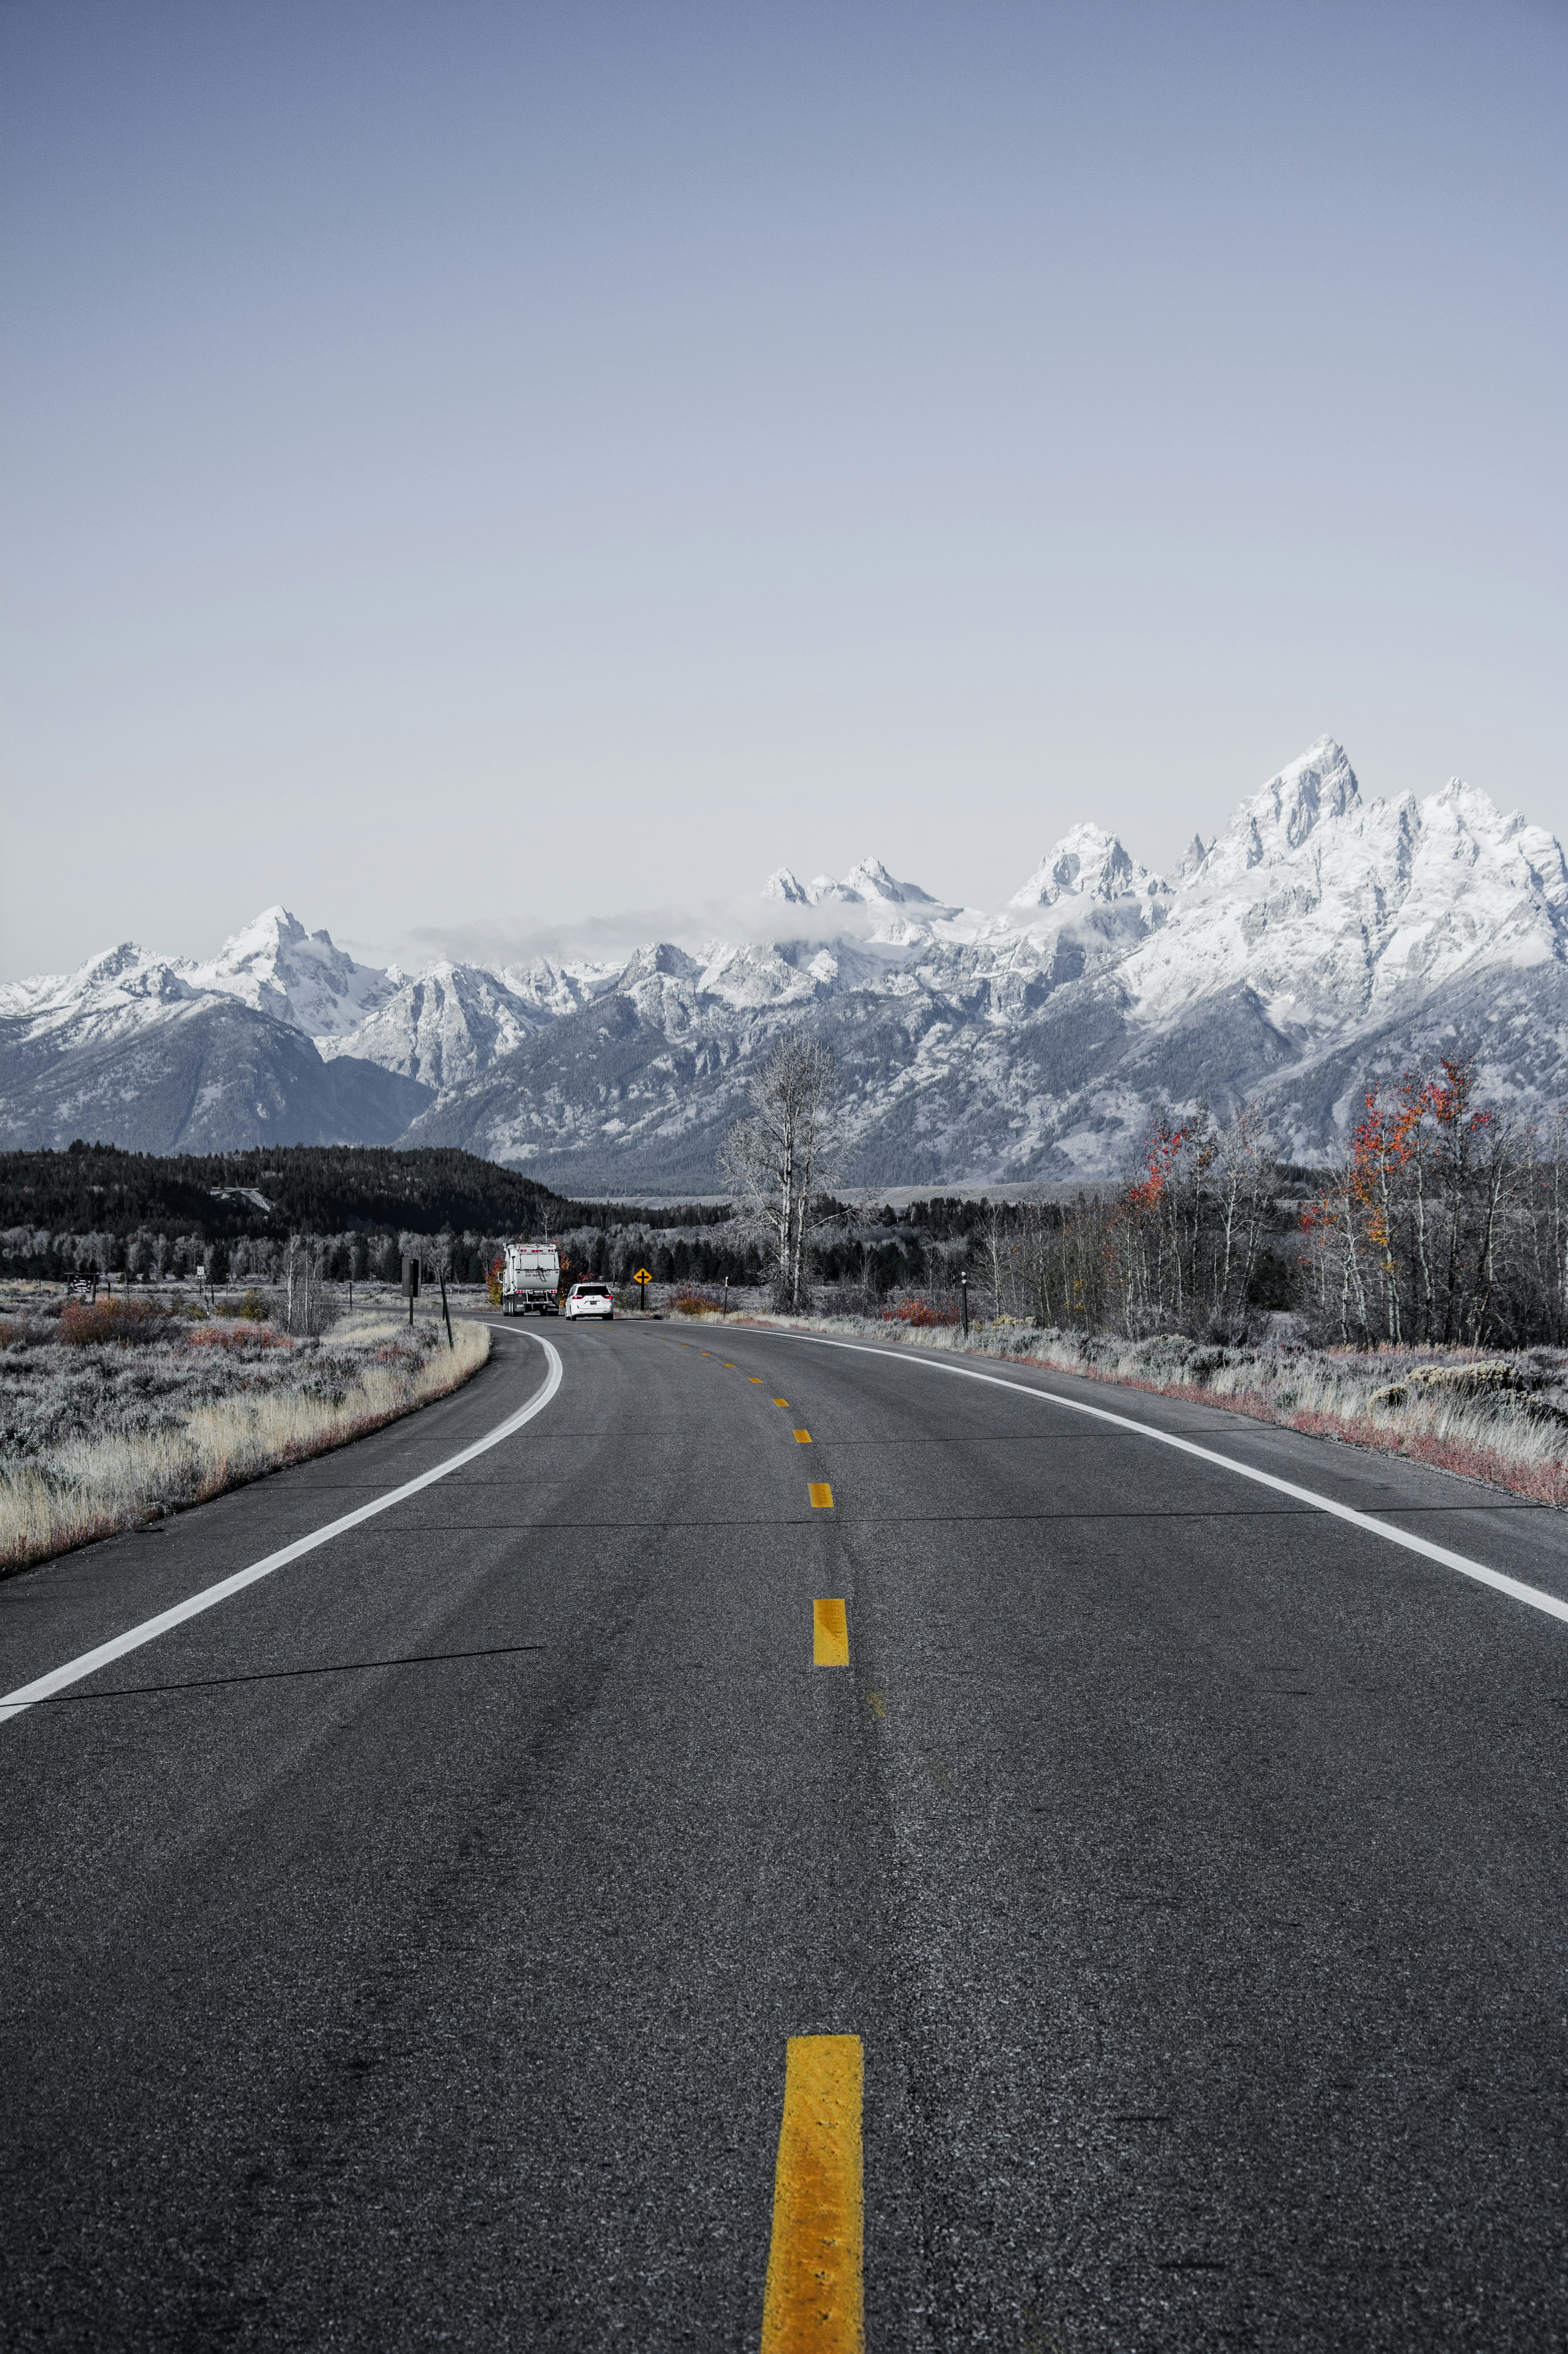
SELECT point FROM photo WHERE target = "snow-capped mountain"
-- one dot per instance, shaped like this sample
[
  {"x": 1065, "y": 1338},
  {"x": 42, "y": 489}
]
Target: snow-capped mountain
[
  {"x": 870, "y": 904},
  {"x": 1323, "y": 904},
  {"x": 276, "y": 967},
  {"x": 439, "y": 1026},
  {"x": 1319, "y": 938},
  {"x": 1087, "y": 865},
  {"x": 867, "y": 884}
]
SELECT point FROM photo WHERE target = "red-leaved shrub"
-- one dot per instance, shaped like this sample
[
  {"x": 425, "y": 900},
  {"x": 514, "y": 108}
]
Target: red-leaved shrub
[
  {"x": 87, "y": 1324},
  {"x": 237, "y": 1336}
]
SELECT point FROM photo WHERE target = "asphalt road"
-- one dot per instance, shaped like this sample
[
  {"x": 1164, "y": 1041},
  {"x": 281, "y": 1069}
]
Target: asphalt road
[{"x": 1192, "y": 1866}]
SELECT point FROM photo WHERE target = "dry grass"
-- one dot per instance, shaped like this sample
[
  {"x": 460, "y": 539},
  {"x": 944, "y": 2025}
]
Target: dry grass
[
  {"x": 90, "y": 1483},
  {"x": 1504, "y": 1421}
]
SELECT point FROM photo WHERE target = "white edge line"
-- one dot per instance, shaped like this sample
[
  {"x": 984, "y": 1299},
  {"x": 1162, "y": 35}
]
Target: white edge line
[
  {"x": 1537, "y": 1598},
  {"x": 44, "y": 1687}
]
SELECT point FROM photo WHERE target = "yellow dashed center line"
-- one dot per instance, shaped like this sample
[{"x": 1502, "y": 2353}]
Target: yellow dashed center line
[
  {"x": 783, "y": 1402},
  {"x": 814, "y": 2297},
  {"x": 830, "y": 1635},
  {"x": 802, "y": 1438},
  {"x": 821, "y": 1495},
  {"x": 755, "y": 1380}
]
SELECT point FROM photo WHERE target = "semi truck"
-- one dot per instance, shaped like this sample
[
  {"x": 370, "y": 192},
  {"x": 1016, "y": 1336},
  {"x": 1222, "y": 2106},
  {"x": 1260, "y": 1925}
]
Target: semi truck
[{"x": 531, "y": 1279}]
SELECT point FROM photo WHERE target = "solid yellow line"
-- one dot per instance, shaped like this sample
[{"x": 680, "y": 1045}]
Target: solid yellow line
[
  {"x": 803, "y": 1437},
  {"x": 820, "y": 1493},
  {"x": 830, "y": 1635},
  {"x": 815, "y": 2294}
]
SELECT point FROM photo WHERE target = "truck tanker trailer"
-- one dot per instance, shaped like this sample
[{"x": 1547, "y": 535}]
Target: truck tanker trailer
[{"x": 531, "y": 1279}]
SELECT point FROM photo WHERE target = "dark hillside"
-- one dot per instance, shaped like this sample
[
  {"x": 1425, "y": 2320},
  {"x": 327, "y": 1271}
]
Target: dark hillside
[
  {"x": 310, "y": 1188},
  {"x": 321, "y": 1189}
]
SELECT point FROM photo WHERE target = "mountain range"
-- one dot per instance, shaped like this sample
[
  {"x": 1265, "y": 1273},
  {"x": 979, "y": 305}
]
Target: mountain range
[{"x": 1321, "y": 939}]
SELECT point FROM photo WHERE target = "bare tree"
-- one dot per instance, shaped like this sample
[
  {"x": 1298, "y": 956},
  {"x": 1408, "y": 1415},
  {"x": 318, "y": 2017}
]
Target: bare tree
[
  {"x": 305, "y": 1305},
  {"x": 779, "y": 1157},
  {"x": 1247, "y": 1172},
  {"x": 994, "y": 1249}
]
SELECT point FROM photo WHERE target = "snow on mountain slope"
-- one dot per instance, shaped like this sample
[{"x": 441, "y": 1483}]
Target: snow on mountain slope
[
  {"x": 898, "y": 915},
  {"x": 1330, "y": 908},
  {"x": 1085, "y": 907},
  {"x": 1086, "y": 863},
  {"x": 550, "y": 990},
  {"x": 439, "y": 1026},
  {"x": 1319, "y": 936},
  {"x": 277, "y": 968},
  {"x": 118, "y": 988},
  {"x": 127, "y": 1051}
]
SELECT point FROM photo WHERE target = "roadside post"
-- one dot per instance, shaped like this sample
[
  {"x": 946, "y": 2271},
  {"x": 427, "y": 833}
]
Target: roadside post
[
  {"x": 446, "y": 1311},
  {"x": 726, "y": 1295},
  {"x": 410, "y": 1283},
  {"x": 642, "y": 1279},
  {"x": 964, "y": 1297}
]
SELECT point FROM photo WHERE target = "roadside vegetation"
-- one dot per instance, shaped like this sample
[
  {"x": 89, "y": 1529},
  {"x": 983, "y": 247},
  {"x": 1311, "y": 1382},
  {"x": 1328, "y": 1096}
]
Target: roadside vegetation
[
  {"x": 116, "y": 1412},
  {"x": 1503, "y": 1420},
  {"x": 1413, "y": 1297}
]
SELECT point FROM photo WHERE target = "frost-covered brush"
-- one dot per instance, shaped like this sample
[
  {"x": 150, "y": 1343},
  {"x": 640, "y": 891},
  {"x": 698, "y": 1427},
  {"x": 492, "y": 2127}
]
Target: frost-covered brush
[
  {"x": 1512, "y": 1434},
  {"x": 99, "y": 1438}
]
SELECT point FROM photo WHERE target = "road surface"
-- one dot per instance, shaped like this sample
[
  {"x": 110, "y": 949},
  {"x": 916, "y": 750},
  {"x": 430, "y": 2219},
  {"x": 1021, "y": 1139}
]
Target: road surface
[{"x": 402, "y": 1951}]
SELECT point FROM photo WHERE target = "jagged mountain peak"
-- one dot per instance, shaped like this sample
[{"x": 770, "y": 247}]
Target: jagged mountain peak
[
  {"x": 1467, "y": 806},
  {"x": 1086, "y": 863},
  {"x": 111, "y": 964},
  {"x": 278, "y": 967},
  {"x": 275, "y": 927},
  {"x": 1274, "y": 823},
  {"x": 869, "y": 882},
  {"x": 661, "y": 959}
]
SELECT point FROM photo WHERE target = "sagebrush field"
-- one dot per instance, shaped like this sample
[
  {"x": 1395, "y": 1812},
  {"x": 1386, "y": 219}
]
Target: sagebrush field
[{"x": 115, "y": 1413}]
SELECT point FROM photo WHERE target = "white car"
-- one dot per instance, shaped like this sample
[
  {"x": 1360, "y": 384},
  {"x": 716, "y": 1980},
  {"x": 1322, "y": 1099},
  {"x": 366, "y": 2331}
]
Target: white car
[{"x": 591, "y": 1299}]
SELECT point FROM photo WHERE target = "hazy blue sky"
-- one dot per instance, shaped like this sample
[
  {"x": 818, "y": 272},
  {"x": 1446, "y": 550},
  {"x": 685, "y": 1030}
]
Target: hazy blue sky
[{"x": 468, "y": 468}]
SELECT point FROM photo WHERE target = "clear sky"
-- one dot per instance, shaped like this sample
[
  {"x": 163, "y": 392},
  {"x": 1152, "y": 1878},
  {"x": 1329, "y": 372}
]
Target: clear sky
[{"x": 470, "y": 469}]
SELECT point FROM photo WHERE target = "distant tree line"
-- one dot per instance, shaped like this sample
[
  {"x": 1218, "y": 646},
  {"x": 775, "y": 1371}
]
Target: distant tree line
[
  {"x": 149, "y": 1256},
  {"x": 694, "y": 1260},
  {"x": 310, "y": 1189},
  {"x": 610, "y": 1215}
]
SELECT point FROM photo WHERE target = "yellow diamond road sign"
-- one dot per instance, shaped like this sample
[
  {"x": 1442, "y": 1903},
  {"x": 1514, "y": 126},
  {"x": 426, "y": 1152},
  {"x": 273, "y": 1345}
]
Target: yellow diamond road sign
[{"x": 643, "y": 1276}]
